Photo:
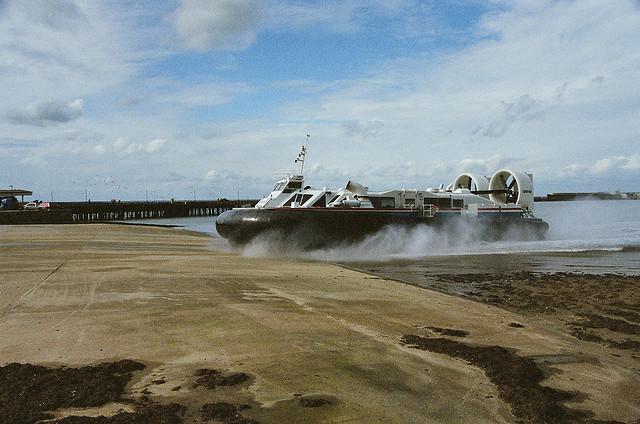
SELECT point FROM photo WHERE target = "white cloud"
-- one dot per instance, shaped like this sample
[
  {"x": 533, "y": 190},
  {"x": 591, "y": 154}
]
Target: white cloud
[
  {"x": 60, "y": 49},
  {"x": 610, "y": 165},
  {"x": 234, "y": 184},
  {"x": 548, "y": 87},
  {"x": 64, "y": 15},
  {"x": 484, "y": 166},
  {"x": 198, "y": 95},
  {"x": 217, "y": 24},
  {"x": 543, "y": 98},
  {"x": 154, "y": 145},
  {"x": 125, "y": 147},
  {"x": 363, "y": 130},
  {"x": 46, "y": 113},
  {"x": 235, "y": 24},
  {"x": 526, "y": 108},
  {"x": 411, "y": 18},
  {"x": 332, "y": 16}
]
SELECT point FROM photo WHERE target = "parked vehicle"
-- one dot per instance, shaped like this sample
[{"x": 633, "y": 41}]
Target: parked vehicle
[
  {"x": 8, "y": 203},
  {"x": 30, "y": 206},
  {"x": 37, "y": 205}
]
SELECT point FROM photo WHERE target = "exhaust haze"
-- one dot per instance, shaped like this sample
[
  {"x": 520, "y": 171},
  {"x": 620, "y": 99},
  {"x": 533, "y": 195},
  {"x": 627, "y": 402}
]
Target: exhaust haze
[{"x": 574, "y": 227}]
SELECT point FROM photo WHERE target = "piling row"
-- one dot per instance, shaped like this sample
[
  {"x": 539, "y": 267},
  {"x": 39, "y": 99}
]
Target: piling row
[{"x": 66, "y": 212}]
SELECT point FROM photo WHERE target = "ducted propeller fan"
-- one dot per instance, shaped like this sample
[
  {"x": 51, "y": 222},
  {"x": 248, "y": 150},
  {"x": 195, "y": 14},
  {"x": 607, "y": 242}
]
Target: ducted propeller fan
[
  {"x": 476, "y": 184},
  {"x": 511, "y": 188}
]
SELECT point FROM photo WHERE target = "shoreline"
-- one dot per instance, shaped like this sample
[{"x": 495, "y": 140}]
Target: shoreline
[
  {"x": 292, "y": 340},
  {"x": 501, "y": 290}
]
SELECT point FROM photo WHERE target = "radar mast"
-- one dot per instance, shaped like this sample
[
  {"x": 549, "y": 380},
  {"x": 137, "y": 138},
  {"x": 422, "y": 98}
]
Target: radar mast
[{"x": 303, "y": 154}]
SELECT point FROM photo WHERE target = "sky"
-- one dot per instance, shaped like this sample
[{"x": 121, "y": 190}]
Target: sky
[{"x": 174, "y": 98}]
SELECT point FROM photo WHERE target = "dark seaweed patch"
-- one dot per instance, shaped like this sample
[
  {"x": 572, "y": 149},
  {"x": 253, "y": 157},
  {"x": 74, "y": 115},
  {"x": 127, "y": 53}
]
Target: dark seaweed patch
[
  {"x": 225, "y": 412},
  {"x": 146, "y": 414},
  {"x": 602, "y": 302},
  {"x": 623, "y": 313},
  {"x": 582, "y": 333},
  {"x": 213, "y": 378},
  {"x": 313, "y": 402},
  {"x": 28, "y": 391},
  {"x": 613, "y": 324},
  {"x": 548, "y": 293},
  {"x": 516, "y": 378},
  {"x": 449, "y": 331}
]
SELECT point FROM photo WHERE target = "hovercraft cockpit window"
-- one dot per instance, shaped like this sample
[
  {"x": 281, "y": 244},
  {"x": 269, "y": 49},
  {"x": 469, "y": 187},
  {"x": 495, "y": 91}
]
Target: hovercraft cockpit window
[
  {"x": 300, "y": 199},
  {"x": 440, "y": 202},
  {"x": 321, "y": 202},
  {"x": 292, "y": 186},
  {"x": 383, "y": 202}
]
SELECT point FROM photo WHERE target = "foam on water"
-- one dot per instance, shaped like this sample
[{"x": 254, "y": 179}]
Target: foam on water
[
  {"x": 584, "y": 226},
  {"x": 590, "y": 225}
]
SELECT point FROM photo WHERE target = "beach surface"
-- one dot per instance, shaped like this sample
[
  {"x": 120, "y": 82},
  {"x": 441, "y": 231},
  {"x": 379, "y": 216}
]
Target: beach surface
[{"x": 144, "y": 324}]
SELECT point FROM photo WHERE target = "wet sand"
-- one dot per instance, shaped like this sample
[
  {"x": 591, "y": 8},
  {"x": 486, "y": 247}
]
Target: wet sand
[
  {"x": 602, "y": 308},
  {"x": 181, "y": 332}
]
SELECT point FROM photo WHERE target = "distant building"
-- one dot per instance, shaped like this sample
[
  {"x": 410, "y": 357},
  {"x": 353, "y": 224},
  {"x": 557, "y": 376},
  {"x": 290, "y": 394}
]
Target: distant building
[
  {"x": 15, "y": 193},
  {"x": 8, "y": 198}
]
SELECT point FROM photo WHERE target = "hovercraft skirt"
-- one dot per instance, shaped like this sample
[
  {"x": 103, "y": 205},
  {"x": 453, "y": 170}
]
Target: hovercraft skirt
[{"x": 317, "y": 227}]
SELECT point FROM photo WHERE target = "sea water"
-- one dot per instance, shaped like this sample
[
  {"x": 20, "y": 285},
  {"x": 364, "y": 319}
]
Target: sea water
[
  {"x": 585, "y": 225},
  {"x": 584, "y": 236}
]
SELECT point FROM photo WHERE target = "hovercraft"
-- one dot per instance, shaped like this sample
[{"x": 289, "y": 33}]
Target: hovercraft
[{"x": 472, "y": 207}]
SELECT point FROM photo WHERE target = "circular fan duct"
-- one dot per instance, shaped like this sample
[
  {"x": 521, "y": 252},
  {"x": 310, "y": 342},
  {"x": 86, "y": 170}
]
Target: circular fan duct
[
  {"x": 472, "y": 182},
  {"x": 508, "y": 187}
]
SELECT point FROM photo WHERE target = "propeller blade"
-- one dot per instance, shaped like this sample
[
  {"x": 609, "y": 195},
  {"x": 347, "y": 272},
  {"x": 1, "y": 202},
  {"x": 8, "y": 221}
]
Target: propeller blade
[
  {"x": 490, "y": 191},
  {"x": 469, "y": 185},
  {"x": 512, "y": 184}
]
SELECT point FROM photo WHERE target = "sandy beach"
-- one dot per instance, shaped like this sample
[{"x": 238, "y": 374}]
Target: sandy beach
[{"x": 144, "y": 324}]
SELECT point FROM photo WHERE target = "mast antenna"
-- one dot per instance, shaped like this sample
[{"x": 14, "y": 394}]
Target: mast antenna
[{"x": 303, "y": 154}]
